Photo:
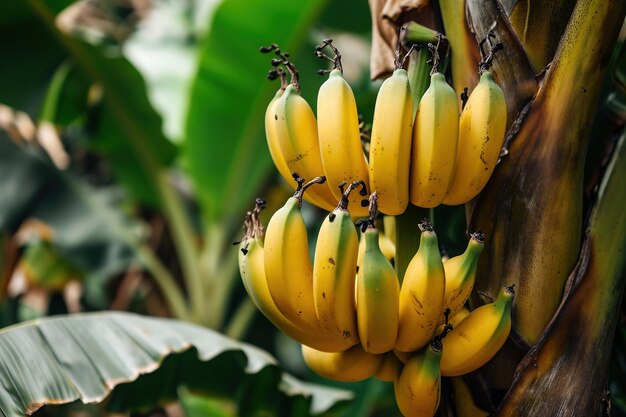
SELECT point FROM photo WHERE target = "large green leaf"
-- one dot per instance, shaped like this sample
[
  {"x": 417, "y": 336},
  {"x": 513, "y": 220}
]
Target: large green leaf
[
  {"x": 140, "y": 362},
  {"x": 226, "y": 154},
  {"x": 129, "y": 132}
]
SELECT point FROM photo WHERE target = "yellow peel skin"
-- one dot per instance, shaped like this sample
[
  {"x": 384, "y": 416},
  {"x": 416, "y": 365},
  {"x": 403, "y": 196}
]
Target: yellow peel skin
[
  {"x": 334, "y": 275},
  {"x": 435, "y": 137},
  {"x": 340, "y": 139},
  {"x": 478, "y": 337},
  {"x": 418, "y": 389},
  {"x": 421, "y": 294},
  {"x": 377, "y": 298},
  {"x": 461, "y": 275},
  {"x": 288, "y": 265},
  {"x": 482, "y": 127},
  {"x": 390, "y": 147},
  {"x": 252, "y": 270},
  {"x": 295, "y": 128},
  {"x": 352, "y": 365}
]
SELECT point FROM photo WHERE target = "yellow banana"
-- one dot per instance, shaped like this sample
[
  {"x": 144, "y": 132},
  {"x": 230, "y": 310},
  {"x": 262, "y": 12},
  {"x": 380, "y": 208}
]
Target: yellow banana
[
  {"x": 334, "y": 272},
  {"x": 377, "y": 294},
  {"x": 354, "y": 364},
  {"x": 270, "y": 132},
  {"x": 418, "y": 389},
  {"x": 390, "y": 147},
  {"x": 340, "y": 138},
  {"x": 454, "y": 320},
  {"x": 288, "y": 267},
  {"x": 295, "y": 128},
  {"x": 390, "y": 368},
  {"x": 421, "y": 294},
  {"x": 461, "y": 274},
  {"x": 464, "y": 404},
  {"x": 481, "y": 135},
  {"x": 435, "y": 137},
  {"x": 252, "y": 270},
  {"x": 478, "y": 337}
]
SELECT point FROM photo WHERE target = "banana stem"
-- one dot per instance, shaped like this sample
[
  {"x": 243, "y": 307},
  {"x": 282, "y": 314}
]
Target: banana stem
[
  {"x": 186, "y": 249},
  {"x": 419, "y": 74},
  {"x": 407, "y": 237},
  {"x": 165, "y": 281},
  {"x": 241, "y": 320}
]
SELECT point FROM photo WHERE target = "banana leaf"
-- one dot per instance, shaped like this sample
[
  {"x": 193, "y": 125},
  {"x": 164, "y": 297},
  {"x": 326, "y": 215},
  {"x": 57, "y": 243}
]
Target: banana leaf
[{"x": 136, "y": 363}]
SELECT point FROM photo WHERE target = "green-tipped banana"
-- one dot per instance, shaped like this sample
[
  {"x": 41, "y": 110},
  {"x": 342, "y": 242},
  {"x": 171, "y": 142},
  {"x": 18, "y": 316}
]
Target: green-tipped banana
[
  {"x": 478, "y": 337},
  {"x": 418, "y": 389},
  {"x": 460, "y": 275},
  {"x": 421, "y": 294},
  {"x": 377, "y": 296}
]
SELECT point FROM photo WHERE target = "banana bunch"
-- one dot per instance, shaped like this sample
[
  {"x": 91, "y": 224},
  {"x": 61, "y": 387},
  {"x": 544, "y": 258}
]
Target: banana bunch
[
  {"x": 347, "y": 306},
  {"x": 352, "y": 316}
]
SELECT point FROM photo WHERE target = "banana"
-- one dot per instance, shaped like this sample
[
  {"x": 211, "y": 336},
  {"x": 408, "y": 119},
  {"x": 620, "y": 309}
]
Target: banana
[
  {"x": 418, "y": 389},
  {"x": 454, "y": 320},
  {"x": 421, "y": 294},
  {"x": 461, "y": 274},
  {"x": 435, "y": 137},
  {"x": 270, "y": 132},
  {"x": 296, "y": 133},
  {"x": 478, "y": 337},
  {"x": 377, "y": 294},
  {"x": 481, "y": 135},
  {"x": 464, "y": 404},
  {"x": 354, "y": 364},
  {"x": 340, "y": 138},
  {"x": 334, "y": 272},
  {"x": 390, "y": 147},
  {"x": 252, "y": 270},
  {"x": 390, "y": 368},
  {"x": 288, "y": 267}
]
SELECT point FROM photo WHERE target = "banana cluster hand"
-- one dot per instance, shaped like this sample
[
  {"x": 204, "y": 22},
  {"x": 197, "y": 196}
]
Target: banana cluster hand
[
  {"x": 431, "y": 158},
  {"x": 353, "y": 317}
]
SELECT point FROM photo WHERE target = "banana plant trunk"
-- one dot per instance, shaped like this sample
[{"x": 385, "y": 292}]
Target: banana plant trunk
[{"x": 550, "y": 202}]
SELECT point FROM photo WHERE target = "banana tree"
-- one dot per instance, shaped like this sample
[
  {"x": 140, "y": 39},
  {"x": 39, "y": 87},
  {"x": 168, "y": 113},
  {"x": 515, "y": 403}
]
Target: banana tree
[{"x": 554, "y": 196}]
